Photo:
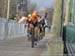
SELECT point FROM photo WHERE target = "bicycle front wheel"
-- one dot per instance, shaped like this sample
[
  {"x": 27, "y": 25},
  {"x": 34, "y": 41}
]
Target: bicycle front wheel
[{"x": 32, "y": 38}]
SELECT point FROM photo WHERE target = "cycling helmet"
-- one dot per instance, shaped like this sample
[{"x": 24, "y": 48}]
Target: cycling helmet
[
  {"x": 34, "y": 14},
  {"x": 29, "y": 15}
]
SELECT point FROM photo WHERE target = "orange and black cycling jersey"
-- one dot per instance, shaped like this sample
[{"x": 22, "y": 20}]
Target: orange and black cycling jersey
[{"x": 34, "y": 19}]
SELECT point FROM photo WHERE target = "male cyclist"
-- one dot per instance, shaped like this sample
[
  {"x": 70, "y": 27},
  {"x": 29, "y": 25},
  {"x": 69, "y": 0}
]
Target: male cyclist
[{"x": 34, "y": 20}]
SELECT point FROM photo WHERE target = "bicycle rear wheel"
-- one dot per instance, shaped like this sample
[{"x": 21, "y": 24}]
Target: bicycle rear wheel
[{"x": 43, "y": 31}]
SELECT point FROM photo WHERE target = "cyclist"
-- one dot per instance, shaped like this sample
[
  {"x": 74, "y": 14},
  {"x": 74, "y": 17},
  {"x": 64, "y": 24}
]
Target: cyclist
[{"x": 34, "y": 20}]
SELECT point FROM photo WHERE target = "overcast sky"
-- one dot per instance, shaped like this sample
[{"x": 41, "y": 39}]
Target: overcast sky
[{"x": 44, "y": 3}]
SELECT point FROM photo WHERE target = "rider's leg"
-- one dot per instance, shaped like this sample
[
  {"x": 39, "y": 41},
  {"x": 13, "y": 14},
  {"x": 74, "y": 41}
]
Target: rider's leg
[
  {"x": 30, "y": 28},
  {"x": 36, "y": 29},
  {"x": 29, "y": 32},
  {"x": 36, "y": 33}
]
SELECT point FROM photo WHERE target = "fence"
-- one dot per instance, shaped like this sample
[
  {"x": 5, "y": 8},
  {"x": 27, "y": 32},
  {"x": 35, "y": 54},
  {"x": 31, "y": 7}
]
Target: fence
[
  {"x": 69, "y": 38},
  {"x": 10, "y": 29}
]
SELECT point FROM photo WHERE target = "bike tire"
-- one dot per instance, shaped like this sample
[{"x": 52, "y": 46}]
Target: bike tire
[
  {"x": 32, "y": 39},
  {"x": 32, "y": 42},
  {"x": 43, "y": 32}
]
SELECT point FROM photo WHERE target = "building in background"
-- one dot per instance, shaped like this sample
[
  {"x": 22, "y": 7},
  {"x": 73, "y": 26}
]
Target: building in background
[{"x": 13, "y": 7}]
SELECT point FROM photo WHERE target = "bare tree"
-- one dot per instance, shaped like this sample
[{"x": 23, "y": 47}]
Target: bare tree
[
  {"x": 32, "y": 7},
  {"x": 28, "y": 8},
  {"x": 2, "y": 5},
  {"x": 22, "y": 8},
  {"x": 3, "y": 8},
  {"x": 49, "y": 15}
]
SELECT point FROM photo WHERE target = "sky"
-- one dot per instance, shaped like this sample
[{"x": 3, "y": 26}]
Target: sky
[{"x": 44, "y": 3}]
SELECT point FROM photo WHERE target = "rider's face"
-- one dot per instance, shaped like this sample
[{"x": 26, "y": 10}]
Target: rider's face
[{"x": 35, "y": 17}]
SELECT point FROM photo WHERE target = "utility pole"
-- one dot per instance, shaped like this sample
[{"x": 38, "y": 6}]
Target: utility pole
[
  {"x": 6, "y": 24},
  {"x": 17, "y": 10},
  {"x": 62, "y": 17},
  {"x": 8, "y": 9}
]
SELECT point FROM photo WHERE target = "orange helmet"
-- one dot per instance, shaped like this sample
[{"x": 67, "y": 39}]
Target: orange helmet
[{"x": 34, "y": 14}]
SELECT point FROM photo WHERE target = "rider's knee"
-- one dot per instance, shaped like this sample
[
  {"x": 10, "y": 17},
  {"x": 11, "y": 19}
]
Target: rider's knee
[
  {"x": 31, "y": 26},
  {"x": 36, "y": 29}
]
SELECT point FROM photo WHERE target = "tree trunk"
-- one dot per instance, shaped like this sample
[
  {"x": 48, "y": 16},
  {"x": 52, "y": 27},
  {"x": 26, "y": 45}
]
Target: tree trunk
[{"x": 57, "y": 18}]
